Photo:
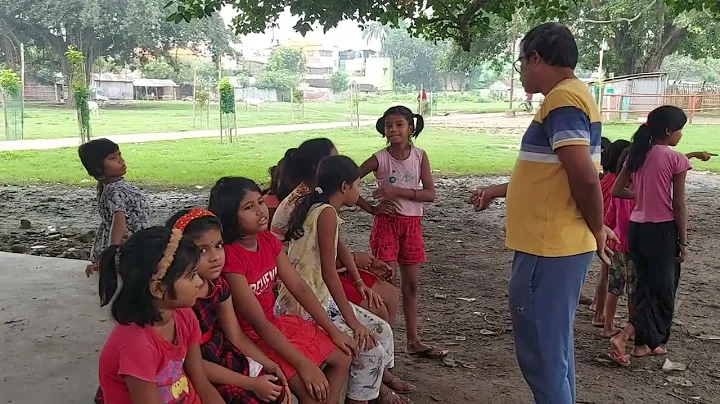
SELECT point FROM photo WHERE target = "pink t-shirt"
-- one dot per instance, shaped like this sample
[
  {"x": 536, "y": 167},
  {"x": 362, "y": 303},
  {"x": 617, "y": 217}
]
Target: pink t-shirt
[
  {"x": 653, "y": 185},
  {"x": 402, "y": 174},
  {"x": 617, "y": 218},
  {"x": 259, "y": 268},
  {"x": 142, "y": 353}
]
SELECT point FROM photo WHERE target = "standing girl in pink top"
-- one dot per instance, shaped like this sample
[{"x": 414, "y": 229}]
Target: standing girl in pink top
[
  {"x": 621, "y": 272},
  {"x": 404, "y": 183},
  {"x": 657, "y": 234}
]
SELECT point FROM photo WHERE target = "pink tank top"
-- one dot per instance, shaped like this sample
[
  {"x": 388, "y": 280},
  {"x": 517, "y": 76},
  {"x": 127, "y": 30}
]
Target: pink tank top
[{"x": 402, "y": 174}]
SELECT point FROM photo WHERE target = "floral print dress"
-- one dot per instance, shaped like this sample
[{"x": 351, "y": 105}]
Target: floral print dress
[
  {"x": 119, "y": 196},
  {"x": 367, "y": 369}
]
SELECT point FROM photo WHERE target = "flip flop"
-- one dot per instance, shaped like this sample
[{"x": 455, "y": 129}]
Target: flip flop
[
  {"x": 389, "y": 396},
  {"x": 409, "y": 388},
  {"x": 430, "y": 353},
  {"x": 659, "y": 351},
  {"x": 621, "y": 360}
]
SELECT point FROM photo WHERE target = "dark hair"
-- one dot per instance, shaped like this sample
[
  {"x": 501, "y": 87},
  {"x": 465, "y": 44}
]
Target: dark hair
[
  {"x": 225, "y": 198},
  {"x": 303, "y": 162},
  {"x": 621, "y": 160},
  {"x": 196, "y": 227},
  {"x": 661, "y": 122},
  {"x": 279, "y": 179},
  {"x": 93, "y": 154},
  {"x": 331, "y": 174},
  {"x": 612, "y": 154},
  {"x": 138, "y": 260},
  {"x": 604, "y": 143},
  {"x": 414, "y": 120},
  {"x": 553, "y": 42}
]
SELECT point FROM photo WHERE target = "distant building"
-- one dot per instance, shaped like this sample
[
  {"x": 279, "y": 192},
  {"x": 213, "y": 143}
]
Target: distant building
[
  {"x": 370, "y": 72},
  {"x": 114, "y": 86}
]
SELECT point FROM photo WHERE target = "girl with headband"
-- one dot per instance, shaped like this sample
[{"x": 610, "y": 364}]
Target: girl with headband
[
  {"x": 240, "y": 371},
  {"x": 152, "y": 355}
]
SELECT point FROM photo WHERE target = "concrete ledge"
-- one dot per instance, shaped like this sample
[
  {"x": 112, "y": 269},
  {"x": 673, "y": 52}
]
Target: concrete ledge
[{"x": 51, "y": 329}]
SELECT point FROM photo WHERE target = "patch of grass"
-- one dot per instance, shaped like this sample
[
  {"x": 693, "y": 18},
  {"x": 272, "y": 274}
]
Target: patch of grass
[
  {"x": 190, "y": 162},
  {"x": 49, "y": 122}
]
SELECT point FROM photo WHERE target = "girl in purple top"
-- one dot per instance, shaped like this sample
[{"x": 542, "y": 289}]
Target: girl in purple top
[{"x": 657, "y": 234}]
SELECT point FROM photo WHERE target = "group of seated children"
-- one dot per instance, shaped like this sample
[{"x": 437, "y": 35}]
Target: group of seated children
[{"x": 213, "y": 308}]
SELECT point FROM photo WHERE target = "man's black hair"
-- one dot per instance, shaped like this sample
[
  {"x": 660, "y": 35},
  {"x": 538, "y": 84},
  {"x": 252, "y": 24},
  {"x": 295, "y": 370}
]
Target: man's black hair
[{"x": 553, "y": 42}]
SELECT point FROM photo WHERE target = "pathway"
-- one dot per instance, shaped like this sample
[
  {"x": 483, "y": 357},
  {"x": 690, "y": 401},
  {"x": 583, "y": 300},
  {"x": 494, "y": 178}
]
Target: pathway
[{"x": 461, "y": 120}]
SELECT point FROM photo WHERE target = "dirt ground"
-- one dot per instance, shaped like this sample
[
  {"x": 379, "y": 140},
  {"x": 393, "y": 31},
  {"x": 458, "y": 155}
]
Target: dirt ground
[{"x": 464, "y": 300}]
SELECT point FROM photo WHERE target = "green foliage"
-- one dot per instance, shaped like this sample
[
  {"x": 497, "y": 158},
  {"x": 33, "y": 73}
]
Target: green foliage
[
  {"x": 298, "y": 96},
  {"x": 9, "y": 83},
  {"x": 339, "y": 81},
  {"x": 280, "y": 80},
  {"x": 415, "y": 61},
  {"x": 81, "y": 93},
  {"x": 284, "y": 69},
  {"x": 459, "y": 20},
  {"x": 202, "y": 97},
  {"x": 158, "y": 69},
  {"x": 685, "y": 68},
  {"x": 102, "y": 28},
  {"x": 640, "y": 34},
  {"x": 227, "y": 96},
  {"x": 287, "y": 59}
]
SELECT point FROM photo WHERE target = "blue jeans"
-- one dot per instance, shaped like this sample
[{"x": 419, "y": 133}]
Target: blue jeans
[{"x": 543, "y": 298}]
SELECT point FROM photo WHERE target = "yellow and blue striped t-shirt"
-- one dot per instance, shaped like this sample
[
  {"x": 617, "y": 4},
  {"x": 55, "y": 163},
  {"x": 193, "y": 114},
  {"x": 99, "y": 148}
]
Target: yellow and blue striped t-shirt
[{"x": 542, "y": 216}]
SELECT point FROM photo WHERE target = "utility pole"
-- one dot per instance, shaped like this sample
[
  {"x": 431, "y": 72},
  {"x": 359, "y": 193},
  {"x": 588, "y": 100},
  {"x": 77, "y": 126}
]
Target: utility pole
[{"x": 513, "y": 52}]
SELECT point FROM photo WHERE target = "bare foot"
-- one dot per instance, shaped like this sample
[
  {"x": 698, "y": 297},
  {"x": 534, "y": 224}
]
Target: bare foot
[
  {"x": 387, "y": 396},
  {"x": 397, "y": 384},
  {"x": 643, "y": 350},
  {"x": 618, "y": 343},
  {"x": 605, "y": 333}
]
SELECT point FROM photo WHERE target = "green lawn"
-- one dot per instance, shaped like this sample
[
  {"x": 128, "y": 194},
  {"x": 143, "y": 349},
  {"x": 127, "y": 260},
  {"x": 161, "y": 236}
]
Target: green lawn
[
  {"x": 191, "y": 162},
  {"x": 46, "y": 122}
]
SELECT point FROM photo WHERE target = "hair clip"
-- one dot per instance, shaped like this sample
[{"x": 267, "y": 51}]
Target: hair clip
[{"x": 319, "y": 190}]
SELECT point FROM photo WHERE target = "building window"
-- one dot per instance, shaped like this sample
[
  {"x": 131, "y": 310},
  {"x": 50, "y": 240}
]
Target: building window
[{"x": 326, "y": 53}]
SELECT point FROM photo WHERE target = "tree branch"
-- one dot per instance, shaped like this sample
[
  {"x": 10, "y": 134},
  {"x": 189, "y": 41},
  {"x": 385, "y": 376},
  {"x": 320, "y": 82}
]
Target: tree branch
[{"x": 622, "y": 19}]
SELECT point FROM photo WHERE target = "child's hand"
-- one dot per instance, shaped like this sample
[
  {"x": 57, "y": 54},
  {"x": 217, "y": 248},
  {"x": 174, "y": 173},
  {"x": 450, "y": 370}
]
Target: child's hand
[
  {"x": 385, "y": 207},
  {"x": 363, "y": 260},
  {"x": 385, "y": 192},
  {"x": 345, "y": 343},
  {"x": 279, "y": 373},
  {"x": 481, "y": 198},
  {"x": 382, "y": 270},
  {"x": 266, "y": 388},
  {"x": 315, "y": 382},
  {"x": 373, "y": 298},
  {"x": 364, "y": 337},
  {"x": 682, "y": 253},
  {"x": 90, "y": 269}
]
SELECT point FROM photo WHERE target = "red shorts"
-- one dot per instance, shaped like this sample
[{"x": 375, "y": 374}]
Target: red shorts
[
  {"x": 398, "y": 239},
  {"x": 350, "y": 290}
]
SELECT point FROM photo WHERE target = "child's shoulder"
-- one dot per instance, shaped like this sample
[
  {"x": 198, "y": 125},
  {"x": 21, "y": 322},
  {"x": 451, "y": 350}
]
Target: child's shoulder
[{"x": 123, "y": 335}]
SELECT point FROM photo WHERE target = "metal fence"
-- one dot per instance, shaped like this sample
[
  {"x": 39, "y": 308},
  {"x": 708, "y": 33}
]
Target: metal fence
[{"x": 631, "y": 107}]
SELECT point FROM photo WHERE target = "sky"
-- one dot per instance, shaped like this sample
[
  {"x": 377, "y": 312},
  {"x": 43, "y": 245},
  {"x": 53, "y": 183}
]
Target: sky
[{"x": 347, "y": 35}]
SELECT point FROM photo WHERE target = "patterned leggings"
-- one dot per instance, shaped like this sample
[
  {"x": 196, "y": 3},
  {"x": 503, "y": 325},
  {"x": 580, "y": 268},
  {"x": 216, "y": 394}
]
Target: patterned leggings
[{"x": 367, "y": 369}]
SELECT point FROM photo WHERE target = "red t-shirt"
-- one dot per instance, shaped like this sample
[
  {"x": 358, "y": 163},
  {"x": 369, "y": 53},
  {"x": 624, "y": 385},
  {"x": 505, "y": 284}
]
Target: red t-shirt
[
  {"x": 606, "y": 184},
  {"x": 142, "y": 353},
  {"x": 259, "y": 268}
]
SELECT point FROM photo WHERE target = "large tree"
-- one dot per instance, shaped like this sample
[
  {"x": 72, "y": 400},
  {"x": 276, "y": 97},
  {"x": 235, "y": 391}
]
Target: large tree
[
  {"x": 114, "y": 28},
  {"x": 640, "y": 33},
  {"x": 459, "y": 20}
]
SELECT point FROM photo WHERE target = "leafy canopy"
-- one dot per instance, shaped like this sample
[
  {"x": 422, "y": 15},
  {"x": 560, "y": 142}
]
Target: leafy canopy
[{"x": 460, "y": 20}]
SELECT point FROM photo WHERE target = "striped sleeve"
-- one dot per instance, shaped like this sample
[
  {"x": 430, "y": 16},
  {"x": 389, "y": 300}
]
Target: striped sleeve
[{"x": 567, "y": 126}]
